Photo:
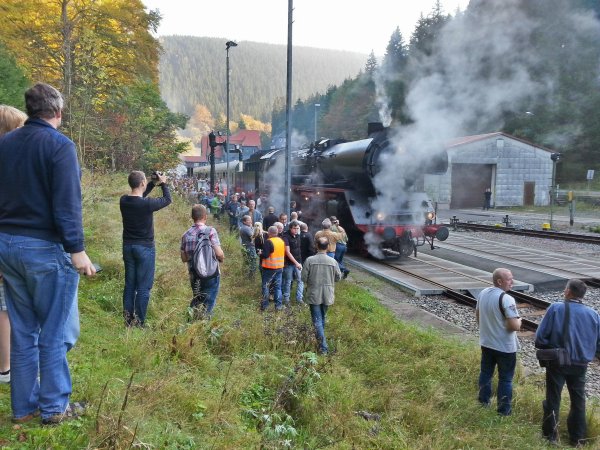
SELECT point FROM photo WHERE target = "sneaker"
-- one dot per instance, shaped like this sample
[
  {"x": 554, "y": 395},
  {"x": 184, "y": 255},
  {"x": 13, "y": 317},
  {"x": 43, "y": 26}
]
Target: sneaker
[
  {"x": 346, "y": 272},
  {"x": 73, "y": 411},
  {"x": 26, "y": 418},
  {"x": 5, "y": 377}
]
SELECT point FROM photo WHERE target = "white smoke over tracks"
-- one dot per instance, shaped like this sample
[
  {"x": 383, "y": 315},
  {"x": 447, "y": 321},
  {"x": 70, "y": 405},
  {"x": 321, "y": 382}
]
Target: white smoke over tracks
[
  {"x": 274, "y": 177},
  {"x": 484, "y": 65}
]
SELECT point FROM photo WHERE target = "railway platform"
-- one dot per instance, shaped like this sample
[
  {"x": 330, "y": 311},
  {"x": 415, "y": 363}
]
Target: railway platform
[{"x": 430, "y": 275}]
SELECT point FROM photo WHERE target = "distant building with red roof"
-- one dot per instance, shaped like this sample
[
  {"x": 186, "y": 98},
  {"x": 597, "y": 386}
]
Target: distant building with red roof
[{"x": 247, "y": 140}]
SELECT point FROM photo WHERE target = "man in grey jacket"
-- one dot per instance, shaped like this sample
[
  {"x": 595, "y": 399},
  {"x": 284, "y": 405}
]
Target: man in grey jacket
[{"x": 319, "y": 274}]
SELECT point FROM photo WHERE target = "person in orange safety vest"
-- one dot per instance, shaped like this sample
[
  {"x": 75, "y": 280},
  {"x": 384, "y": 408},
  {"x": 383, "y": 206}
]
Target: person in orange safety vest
[{"x": 272, "y": 268}]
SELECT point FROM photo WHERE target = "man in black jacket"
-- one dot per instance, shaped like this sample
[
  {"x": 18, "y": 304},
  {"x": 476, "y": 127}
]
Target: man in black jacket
[
  {"x": 293, "y": 264},
  {"x": 270, "y": 218},
  {"x": 137, "y": 211}
]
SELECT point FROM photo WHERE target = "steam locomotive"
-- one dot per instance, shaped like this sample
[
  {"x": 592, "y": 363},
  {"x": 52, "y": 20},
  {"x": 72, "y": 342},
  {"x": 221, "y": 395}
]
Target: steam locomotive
[{"x": 335, "y": 177}]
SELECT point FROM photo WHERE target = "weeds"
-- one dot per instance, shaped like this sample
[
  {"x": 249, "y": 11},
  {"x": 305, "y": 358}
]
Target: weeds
[{"x": 249, "y": 380}]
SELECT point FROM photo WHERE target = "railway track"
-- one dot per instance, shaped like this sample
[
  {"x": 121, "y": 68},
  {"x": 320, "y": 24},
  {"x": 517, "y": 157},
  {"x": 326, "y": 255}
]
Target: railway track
[
  {"x": 582, "y": 238},
  {"x": 468, "y": 300}
]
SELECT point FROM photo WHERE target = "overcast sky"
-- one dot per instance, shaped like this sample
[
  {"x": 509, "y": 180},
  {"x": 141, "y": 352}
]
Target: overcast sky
[{"x": 359, "y": 26}]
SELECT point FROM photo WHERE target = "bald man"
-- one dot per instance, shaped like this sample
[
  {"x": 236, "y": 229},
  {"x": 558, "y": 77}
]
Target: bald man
[{"x": 499, "y": 321}]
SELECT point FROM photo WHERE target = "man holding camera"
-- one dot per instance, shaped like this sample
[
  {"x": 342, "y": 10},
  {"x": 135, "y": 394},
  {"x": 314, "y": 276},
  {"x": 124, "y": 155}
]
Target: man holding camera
[{"x": 137, "y": 211}]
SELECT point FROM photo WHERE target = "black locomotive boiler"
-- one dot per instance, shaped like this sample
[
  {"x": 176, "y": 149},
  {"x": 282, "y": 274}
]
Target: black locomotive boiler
[{"x": 336, "y": 177}]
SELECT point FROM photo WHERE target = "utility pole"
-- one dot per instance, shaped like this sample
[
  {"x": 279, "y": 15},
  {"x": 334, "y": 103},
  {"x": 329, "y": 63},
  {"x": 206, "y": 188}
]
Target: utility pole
[
  {"x": 288, "y": 119},
  {"x": 228, "y": 44},
  {"x": 555, "y": 157}
]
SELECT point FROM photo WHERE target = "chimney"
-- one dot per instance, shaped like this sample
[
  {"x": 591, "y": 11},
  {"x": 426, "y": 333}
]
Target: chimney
[{"x": 373, "y": 127}]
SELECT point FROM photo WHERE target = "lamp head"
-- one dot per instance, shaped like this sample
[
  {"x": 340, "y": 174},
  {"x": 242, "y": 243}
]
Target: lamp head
[{"x": 230, "y": 44}]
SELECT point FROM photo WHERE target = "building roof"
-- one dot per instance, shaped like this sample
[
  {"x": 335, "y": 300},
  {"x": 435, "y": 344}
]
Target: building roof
[
  {"x": 243, "y": 138},
  {"x": 463, "y": 140}
]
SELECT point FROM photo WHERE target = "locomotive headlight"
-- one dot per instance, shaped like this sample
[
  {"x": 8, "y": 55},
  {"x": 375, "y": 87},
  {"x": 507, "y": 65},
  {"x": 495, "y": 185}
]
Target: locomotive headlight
[{"x": 380, "y": 217}]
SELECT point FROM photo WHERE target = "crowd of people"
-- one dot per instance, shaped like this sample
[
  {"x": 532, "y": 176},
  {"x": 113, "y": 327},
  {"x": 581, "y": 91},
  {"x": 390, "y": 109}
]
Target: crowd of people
[{"x": 42, "y": 255}]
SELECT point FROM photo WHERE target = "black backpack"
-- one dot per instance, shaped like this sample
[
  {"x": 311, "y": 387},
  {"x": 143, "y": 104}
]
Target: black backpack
[{"x": 204, "y": 260}]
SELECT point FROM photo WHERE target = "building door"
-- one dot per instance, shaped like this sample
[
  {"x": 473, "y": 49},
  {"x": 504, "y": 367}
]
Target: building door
[
  {"x": 469, "y": 182},
  {"x": 529, "y": 193}
]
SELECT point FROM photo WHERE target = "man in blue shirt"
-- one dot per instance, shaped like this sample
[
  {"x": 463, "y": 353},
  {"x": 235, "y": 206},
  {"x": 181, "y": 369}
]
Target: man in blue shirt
[
  {"x": 582, "y": 343},
  {"x": 42, "y": 254}
]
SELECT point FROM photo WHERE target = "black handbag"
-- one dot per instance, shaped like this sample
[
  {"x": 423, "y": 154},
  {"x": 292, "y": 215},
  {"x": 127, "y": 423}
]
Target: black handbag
[{"x": 557, "y": 356}]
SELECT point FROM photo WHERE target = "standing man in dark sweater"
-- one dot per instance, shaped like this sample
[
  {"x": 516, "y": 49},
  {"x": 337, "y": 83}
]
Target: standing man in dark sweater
[
  {"x": 42, "y": 254},
  {"x": 293, "y": 264},
  {"x": 139, "y": 253}
]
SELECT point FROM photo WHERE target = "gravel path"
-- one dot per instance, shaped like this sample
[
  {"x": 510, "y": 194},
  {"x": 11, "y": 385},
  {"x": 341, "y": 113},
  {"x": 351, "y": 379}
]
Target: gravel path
[{"x": 464, "y": 317}]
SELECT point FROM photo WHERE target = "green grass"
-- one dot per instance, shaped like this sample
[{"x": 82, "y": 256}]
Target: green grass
[{"x": 248, "y": 380}]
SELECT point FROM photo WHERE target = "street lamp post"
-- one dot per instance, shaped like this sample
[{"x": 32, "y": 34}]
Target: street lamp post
[
  {"x": 228, "y": 44},
  {"x": 555, "y": 157},
  {"x": 317, "y": 105}
]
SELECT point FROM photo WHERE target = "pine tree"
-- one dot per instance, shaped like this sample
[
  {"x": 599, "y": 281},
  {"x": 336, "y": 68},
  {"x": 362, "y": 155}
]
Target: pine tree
[
  {"x": 396, "y": 52},
  {"x": 371, "y": 65}
]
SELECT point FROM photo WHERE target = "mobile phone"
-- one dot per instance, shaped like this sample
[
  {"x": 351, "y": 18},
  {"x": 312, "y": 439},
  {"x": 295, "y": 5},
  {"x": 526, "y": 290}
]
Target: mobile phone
[{"x": 98, "y": 267}]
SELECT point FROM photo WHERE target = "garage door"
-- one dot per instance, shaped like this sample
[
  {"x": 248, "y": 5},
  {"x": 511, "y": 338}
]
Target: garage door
[{"x": 469, "y": 181}]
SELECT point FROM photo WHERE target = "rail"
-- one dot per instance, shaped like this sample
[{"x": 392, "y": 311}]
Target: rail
[
  {"x": 582, "y": 238},
  {"x": 469, "y": 300}
]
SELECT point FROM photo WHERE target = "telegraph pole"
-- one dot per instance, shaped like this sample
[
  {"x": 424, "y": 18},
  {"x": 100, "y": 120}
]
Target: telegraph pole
[{"x": 288, "y": 119}]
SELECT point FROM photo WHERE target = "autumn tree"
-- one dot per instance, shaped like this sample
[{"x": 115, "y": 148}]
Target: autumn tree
[{"x": 94, "y": 52}]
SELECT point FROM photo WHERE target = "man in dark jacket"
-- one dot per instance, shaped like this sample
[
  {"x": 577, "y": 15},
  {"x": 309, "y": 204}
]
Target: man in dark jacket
[
  {"x": 270, "y": 218},
  {"x": 41, "y": 211},
  {"x": 582, "y": 343},
  {"x": 307, "y": 245},
  {"x": 137, "y": 211},
  {"x": 293, "y": 264}
]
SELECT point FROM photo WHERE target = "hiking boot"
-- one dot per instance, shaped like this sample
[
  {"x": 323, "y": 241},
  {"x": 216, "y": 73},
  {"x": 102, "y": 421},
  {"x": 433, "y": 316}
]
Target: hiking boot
[
  {"x": 26, "y": 418},
  {"x": 73, "y": 411}
]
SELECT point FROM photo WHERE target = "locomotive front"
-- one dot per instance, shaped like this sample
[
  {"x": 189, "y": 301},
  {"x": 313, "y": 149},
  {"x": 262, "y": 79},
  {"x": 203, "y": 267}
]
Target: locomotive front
[{"x": 343, "y": 173}]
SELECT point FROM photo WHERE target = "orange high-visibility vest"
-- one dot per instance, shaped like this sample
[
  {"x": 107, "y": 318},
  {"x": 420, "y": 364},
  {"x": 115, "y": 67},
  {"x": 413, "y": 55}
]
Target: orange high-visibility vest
[{"x": 275, "y": 259}]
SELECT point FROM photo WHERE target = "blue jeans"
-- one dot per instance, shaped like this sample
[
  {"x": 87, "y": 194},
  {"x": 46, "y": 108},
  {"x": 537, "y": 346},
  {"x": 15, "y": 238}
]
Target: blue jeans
[
  {"x": 318, "y": 314},
  {"x": 506, "y": 363},
  {"x": 139, "y": 278},
  {"x": 41, "y": 287},
  {"x": 556, "y": 377},
  {"x": 269, "y": 275},
  {"x": 289, "y": 272},
  {"x": 340, "y": 251},
  {"x": 205, "y": 292}
]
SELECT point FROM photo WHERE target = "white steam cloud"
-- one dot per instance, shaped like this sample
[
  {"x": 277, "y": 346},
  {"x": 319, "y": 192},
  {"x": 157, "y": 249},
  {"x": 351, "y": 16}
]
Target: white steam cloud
[
  {"x": 274, "y": 177},
  {"x": 483, "y": 65}
]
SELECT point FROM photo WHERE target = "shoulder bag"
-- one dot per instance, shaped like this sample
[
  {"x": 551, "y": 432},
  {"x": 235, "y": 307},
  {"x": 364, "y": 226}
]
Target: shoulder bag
[{"x": 557, "y": 356}]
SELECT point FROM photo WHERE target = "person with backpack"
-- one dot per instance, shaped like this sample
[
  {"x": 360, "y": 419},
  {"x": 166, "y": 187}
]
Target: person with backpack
[{"x": 201, "y": 250}]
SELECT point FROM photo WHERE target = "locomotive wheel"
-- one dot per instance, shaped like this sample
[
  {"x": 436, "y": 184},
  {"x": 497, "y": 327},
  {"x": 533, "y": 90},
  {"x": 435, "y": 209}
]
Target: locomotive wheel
[{"x": 406, "y": 248}]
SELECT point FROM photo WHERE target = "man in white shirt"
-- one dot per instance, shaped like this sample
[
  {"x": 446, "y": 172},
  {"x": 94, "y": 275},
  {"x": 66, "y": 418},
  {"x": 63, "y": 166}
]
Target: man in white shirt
[{"x": 499, "y": 321}]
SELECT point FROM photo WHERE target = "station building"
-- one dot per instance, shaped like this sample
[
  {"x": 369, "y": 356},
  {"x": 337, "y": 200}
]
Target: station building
[{"x": 518, "y": 173}]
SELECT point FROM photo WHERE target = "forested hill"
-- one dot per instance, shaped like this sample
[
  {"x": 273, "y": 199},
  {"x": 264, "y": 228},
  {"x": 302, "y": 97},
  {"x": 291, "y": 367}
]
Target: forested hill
[{"x": 192, "y": 71}]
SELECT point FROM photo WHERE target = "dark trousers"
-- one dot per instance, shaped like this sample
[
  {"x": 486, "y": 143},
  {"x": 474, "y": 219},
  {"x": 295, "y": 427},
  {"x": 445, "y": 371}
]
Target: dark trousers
[
  {"x": 506, "y": 363},
  {"x": 556, "y": 377}
]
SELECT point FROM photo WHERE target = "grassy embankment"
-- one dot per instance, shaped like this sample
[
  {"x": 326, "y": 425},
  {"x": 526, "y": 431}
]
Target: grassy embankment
[{"x": 248, "y": 380}]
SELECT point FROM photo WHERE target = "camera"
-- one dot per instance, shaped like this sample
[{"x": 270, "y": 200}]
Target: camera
[{"x": 155, "y": 175}]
